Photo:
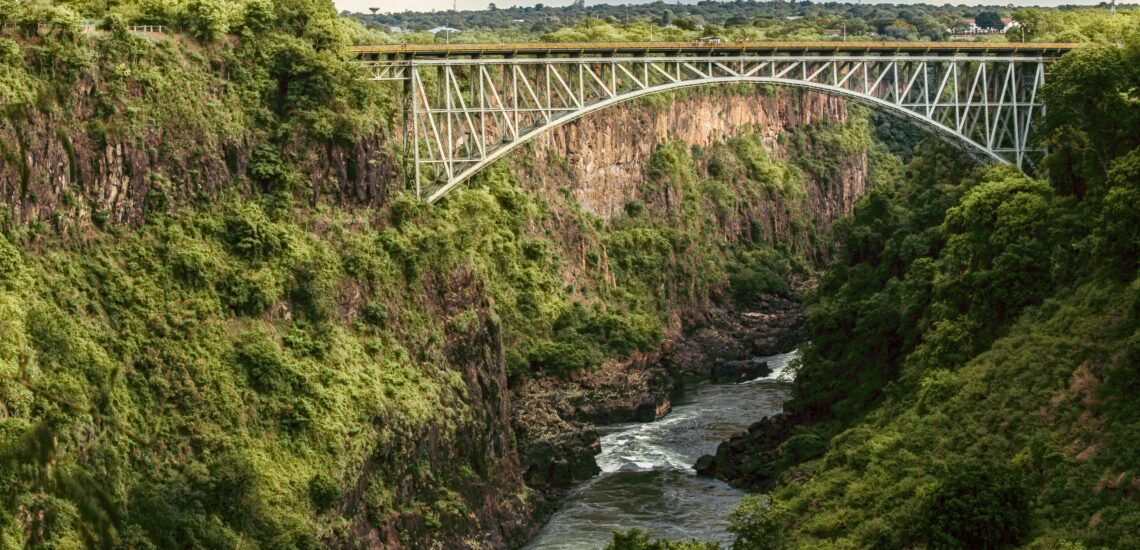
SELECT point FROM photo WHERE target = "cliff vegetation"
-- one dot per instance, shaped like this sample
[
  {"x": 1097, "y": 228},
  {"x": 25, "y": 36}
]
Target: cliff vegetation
[{"x": 970, "y": 377}]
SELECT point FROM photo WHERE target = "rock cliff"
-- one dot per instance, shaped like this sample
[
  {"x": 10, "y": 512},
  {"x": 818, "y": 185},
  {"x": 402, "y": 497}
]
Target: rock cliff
[
  {"x": 603, "y": 156},
  {"x": 71, "y": 166},
  {"x": 601, "y": 161},
  {"x": 462, "y": 479}
]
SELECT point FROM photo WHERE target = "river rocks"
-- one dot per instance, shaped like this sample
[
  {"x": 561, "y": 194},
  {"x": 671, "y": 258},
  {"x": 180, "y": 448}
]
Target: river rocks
[
  {"x": 561, "y": 457},
  {"x": 734, "y": 372},
  {"x": 750, "y": 459},
  {"x": 554, "y": 419},
  {"x": 705, "y": 466},
  {"x": 729, "y": 337}
]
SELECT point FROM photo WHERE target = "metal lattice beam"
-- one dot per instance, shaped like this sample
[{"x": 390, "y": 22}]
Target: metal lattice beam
[{"x": 466, "y": 113}]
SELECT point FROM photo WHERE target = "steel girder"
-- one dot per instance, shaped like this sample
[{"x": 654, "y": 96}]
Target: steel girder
[{"x": 463, "y": 114}]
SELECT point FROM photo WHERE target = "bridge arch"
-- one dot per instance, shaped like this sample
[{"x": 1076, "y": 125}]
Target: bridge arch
[
  {"x": 465, "y": 113},
  {"x": 507, "y": 147}
]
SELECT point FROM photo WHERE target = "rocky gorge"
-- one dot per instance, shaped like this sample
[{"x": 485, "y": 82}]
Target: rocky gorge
[
  {"x": 601, "y": 162},
  {"x": 227, "y": 321},
  {"x": 352, "y": 366}
]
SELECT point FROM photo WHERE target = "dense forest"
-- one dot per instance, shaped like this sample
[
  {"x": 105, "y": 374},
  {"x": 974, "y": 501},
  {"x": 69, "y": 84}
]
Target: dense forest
[
  {"x": 974, "y": 347},
  {"x": 970, "y": 377},
  {"x": 741, "y": 20},
  {"x": 223, "y": 324}
]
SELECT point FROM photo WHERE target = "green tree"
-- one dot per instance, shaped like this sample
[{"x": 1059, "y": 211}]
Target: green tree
[
  {"x": 759, "y": 523},
  {"x": 1117, "y": 237},
  {"x": 209, "y": 19},
  {"x": 1092, "y": 118},
  {"x": 997, "y": 257},
  {"x": 989, "y": 20},
  {"x": 976, "y": 505}
]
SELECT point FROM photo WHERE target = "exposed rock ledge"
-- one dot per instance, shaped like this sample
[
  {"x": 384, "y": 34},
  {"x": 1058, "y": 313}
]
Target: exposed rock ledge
[
  {"x": 555, "y": 420},
  {"x": 733, "y": 335}
]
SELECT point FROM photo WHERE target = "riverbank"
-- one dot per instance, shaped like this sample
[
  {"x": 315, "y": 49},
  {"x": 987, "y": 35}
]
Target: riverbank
[
  {"x": 645, "y": 481},
  {"x": 562, "y": 425}
]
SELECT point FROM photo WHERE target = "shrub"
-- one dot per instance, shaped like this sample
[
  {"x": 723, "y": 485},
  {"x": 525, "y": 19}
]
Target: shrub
[
  {"x": 757, "y": 272},
  {"x": 561, "y": 358},
  {"x": 324, "y": 491},
  {"x": 717, "y": 167},
  {"x": 804, "y": 446},
  {"x": 251, "y": 292},
  {"x": 209, "y": 19},
  {"x": 976, "y": 505},
  {"x": 250, "y": 233},
  {"x": 10, "y": 53},
  {"x": 626, "y": 333},
  {"x": 759, "y": 523},
  {"x": 636, "y": 539},
  {"x": 266, "y": 366},
  {"x": 193, "y": 263},
  {"x": 267, "y": 168},
  {"x": 1117, "y": 239},
  {"x": 375, "y": 314},
  {"x": 10, "y": 264},
  {"x": 669, "y": 166}
]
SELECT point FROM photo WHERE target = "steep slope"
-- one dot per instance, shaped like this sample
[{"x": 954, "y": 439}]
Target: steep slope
[
  {"x": 971, "y": 375},
  {"x": 222, "y": 323}
]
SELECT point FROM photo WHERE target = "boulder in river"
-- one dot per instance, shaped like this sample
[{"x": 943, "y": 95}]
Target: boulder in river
[
  {"x": 706, "y": 466},
  {"x": 734, "y": 372}
]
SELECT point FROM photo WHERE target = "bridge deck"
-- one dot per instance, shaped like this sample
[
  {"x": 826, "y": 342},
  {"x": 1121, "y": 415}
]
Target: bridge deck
[{"x": 574, "y": 49}]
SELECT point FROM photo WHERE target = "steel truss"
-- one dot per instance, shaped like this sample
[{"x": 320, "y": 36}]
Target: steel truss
[{"x": 466, "y": 113}]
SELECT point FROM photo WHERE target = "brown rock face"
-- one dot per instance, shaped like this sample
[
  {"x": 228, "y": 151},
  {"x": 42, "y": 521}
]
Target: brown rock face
[
  {"x": 606, "y": 152},
  {"x": 54, "y": 167},
  {"x": 468, "y": 451}
]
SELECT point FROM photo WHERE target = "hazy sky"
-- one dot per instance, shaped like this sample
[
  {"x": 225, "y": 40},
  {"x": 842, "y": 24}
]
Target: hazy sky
[{"x": 428, "y": 5}]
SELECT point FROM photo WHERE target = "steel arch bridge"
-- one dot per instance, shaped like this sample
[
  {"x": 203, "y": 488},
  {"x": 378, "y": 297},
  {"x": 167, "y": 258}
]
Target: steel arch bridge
[{"x": 468, "y": 105}]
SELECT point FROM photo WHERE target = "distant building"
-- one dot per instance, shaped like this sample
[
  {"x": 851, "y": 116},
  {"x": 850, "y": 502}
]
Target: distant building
[
  {"x": 969, "y": 27},
  {"x": 438, "y": 30}
]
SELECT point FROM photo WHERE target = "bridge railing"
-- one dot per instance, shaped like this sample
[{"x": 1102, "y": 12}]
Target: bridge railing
[{"x": 464, "y": 113}]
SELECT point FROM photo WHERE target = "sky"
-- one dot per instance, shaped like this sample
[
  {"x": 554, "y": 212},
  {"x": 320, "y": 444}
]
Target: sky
[{"x": 388, "y": 6}]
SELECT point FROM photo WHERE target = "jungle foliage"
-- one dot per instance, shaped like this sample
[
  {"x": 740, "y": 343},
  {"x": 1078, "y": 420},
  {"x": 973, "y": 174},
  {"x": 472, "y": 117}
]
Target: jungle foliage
[
  {"x": 190, "y": 383},
  {"x": 745, "y": 21},
  {"x": 970, "y": 346},
  {"x": 216, "y": 377}
]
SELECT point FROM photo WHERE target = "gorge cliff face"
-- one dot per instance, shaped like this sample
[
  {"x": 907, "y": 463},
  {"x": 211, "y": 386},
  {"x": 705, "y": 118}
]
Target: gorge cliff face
[
  {"x": 604, "y": 156},
  {"x": 601, "y": 163},
  {"x": 148, "y": 124},
  {"x": 438, "y": 443}
]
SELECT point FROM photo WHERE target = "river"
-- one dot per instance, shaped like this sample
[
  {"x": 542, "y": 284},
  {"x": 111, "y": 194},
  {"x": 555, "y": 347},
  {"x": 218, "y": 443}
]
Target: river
[{"x": 646, "y": 480}]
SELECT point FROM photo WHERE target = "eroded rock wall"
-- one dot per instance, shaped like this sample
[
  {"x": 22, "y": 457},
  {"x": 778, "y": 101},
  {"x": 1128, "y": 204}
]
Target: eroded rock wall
[
  {"x": 601, "y": 161},
  {"x": 605, "y": 154},
  {"x": 63, "y": 166}
]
